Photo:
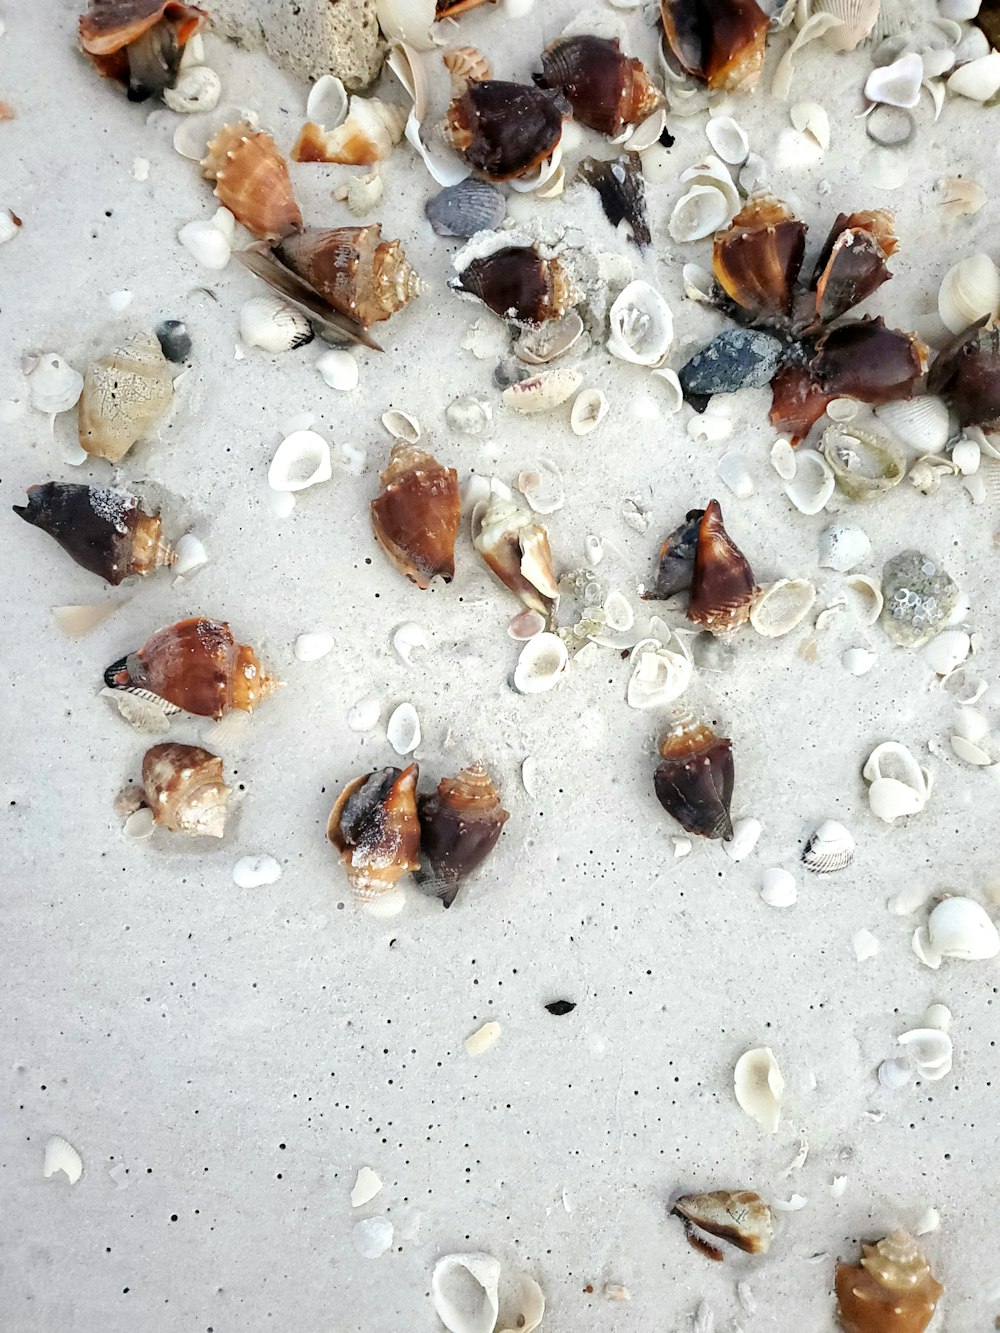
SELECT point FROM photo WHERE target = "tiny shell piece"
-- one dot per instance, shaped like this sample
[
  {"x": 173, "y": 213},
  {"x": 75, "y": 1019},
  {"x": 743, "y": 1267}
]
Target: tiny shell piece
[
  {"x": 254, "y": 872},
  {"x": 366, "y": 1186},
  {"x": 482, "y": 1039},
  {"x": 314, "y": 645},
  {"x": 61, "y": 1156},
  {"x": 864, "y": 944},
  {"x": 124, "y": 394},
  {"x": 373, "y": 1237},
  {"x": 738, "y": 1216},
  {"x": 746, "y": 833},
  {"x": 365, "y": 714},
  {"x": 589, "y": 409},
  {"x": 406, "y": 639},
  {"x": 759, "y": 1086},
  {"x": 339, "y": 369}
]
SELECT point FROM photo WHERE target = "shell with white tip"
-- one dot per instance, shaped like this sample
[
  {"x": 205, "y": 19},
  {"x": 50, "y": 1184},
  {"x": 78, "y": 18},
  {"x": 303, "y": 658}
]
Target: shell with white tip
[
  {"x": 641, "y": 325},
  {"x": 268, "y": 323},
  {"x": 830, "y": 848},
  {"x": 374, "y": 827},
  {"x": 759, "y": 1085},
  {"x": 464, "y": 1289},
  {"x": 781, "y": 606},
  {"x": 969, "y": 292}
]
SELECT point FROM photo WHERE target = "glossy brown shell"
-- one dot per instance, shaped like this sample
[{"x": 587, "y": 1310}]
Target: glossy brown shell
[
  {"x": 797, "y": 399},
  {"x": 353, "y": 270},
  {"x": 718, "y": 42},
  {"x": 415, "y": 516},
  {"x": 251, "y": 180},
  {"x": 739, "y": 1217},
  {"x": 722, "y": 582},
  {"x": 503, "y": 129},
  {"x": 675, "y": 562},
  {"x": 460, "y": 825},
  {"x": 606, "y": 89},
  {"x": 852, "y": 263},
  {"x": 967, "y": 375},
  {"x": 374, "y": 827},
  {"x": 156, "y": 31},
  {"x": 184, "y": 788},
  {"x": 891, "y": 1290},
  {"x": 758, "y": 258},
  {"x": 519, "y": 285},
  {"x": 694, "y": 779}
]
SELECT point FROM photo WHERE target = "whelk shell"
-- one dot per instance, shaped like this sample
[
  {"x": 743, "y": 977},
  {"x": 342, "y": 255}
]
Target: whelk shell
[
  {"x": 416, "y": 514},
  {"x": 605, "y": 89},
  {"x": 502, "y": 129},
  {"x": 516, "y": 549},
  {"x": 694, "y": 779},
  {"x": 368, "y": 135},
  {"x": 184, "y": 788},
  {"x": 518, "y": 284},
  {"x": 460, "y": 825},
  {"x": 251, "y": 180},
  {"x": 892, "y": 1288},
  {"x": 139, "y": 43},
  {"x": 124, "y": 394},
  {"x": 718, "y": 42},
  {"x": 740, "y": 1217},
  {"x": 641, "y": 325},
  {"x": 759, "y": 1086},
  {"x": 757, "y": 260},
  {"x": 374, "y": 827},
  {"x": 722, "y": 582},
  {"x": 781, "y": 606}
]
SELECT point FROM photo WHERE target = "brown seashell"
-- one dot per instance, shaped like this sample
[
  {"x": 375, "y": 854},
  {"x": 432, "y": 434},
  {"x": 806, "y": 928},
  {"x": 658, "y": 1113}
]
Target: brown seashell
[
  {"x": 694, "y": 780},
  {"x": 718, "y": 42},
  {"x": 102, "y": 529},
  {"x": 797, "y": 399},
  {"x": 892, "y": 1289},
  {"x": 460, "y": 825},
  {"x": 519, "y": 285},
  {"x": 416, "y": 514},
  {"x": 465, "y": 64},
  {"x": 124, "y": 394},
  {"x": 967, "y": 375},
  {"x": 184, "y": 788},
  {"x": 450, "y": 9},
  {"x": 675, "y": 564},
  {"x": 197, "y": 666},
  {"x": 852, "y": 263},
  {"x": 605, "y": 88},
  {"x": 252, "y": 181},
  {"x": 503, "y": 129},
  {"x": 738, "y": 1216},
  {"x": 352, "y": 270},
  {"x": 516, "y": 548},
  {"x": 722, "y": 583},
  {"x": 622, "y": 190},
  {"x": 139, "y": 42},
  {"x": 865, "y": 360},
  {"x": 374, "y": 827},
  {"x": 757, "y": 260}
]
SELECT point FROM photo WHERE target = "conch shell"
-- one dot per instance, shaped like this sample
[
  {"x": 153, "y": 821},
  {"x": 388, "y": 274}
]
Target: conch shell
[
  {"x": 367, "y": 136},
  {"x": 415, "y": 516},
  {"x": 718, "y": 42},
  {"x": 252, "y": 181},
  {"x": 503, "y": 130},
  {"x": 738, "y": 1216},
  {"x": 892, "y": 1289},
  {"x": 852, "y": 263},
  {"x": 374, "y": 827},
  {"x": 139, "y": 42},
  {"x": 124, "y": 394},
  {"x": 694, "y": 782},
  {"x": 184, "y": 788},
  {"x": 606, "y": 89},
  {"x": 516, "y": 548},
  {"x": 722, "y": 583},
  {"x": 675, "y": 563},
  {"x": 758, "y": 258},
  {"x": 519, "y": 284},
  {"x": 460, "y": 825}
]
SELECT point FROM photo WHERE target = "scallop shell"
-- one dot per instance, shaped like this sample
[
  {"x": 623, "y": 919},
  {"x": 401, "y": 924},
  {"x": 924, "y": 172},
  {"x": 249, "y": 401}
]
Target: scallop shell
[
  {"x": 759, "y": 1086},
  {"x": 830, "y": 848},
  {"x": 541, "y": 664},
  {"x": 53, "y": 385},
  {"x": 61, "y": 1156},
  {"x": 464, "y": 1289},
  {"x": 302, "y": 459},
  {"x": 863, "y": 464},
  {"x": 272, "y": 325},
  {"x": 124, "y": 394},
  {"x": 813, "y": 483},
  {"x": 842, "y": 547},
  {"x": 184, "y": 788},
  {"x": 781, "y": 606},
  {"x": 921, "y": 423},
  {"x": 969, "y": 293},
  {"x": 590, "y": 407},
  {"x": 465, "y": 64},
  {"x": 641, "y": 325},
  {"x": 701, "y": 212},
  {"x": 856, "y": 19},
  {"x": 251, "y": 180},
  {"x": 368, "y": 135}
]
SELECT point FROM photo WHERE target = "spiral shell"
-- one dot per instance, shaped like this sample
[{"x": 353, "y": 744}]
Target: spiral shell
[
  {"x": 124, "y": 394},
  {"x": 460, "y": 825},
  {"x": 139, "y": 42},
  {"x": 415, "y": 516},
  {"x": 606, "y": 89},
  {"x": 465, "y": 64},
  {"x": 722, "y": 582},
  {"x": 694, "y": 780},
  {"x": 758, "y": 258},
  {"x": 519, "y": 284},
  {"x": 252, "y": 181},
  {"x": 503, "y": 130},
  {"x": 891, "y": 1290},
  {"x": 718, "y": 42},
  {"x": 516, "y": 548},
  {"x": 374, "y": 827},
  {"x": 352, "y": 270},
  {"x": 184, "y": 788},
  {"x": 740, "y": 1217},
  {"x": 367, "y": 136}
]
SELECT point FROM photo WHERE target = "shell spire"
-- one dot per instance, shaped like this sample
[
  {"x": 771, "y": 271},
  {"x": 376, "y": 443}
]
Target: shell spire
[
  {"x": 891, "y": 1290},
  {"x": 251, "y": 180},
  {"x": 722, "y": 582},
  {"x": 606, "y": 89},
  {"x": 415, "y": 516},
  {"x": 460, "y": 825},
  {"x": 694, "y": 780},
  {"x": 139, "y": 42},
  {"x": 184, "y": 788},
  {"x": 374, "y": 827}
]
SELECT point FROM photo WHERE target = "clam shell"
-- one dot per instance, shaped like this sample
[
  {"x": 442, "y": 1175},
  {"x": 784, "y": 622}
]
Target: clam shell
[
  {"x": 733, "y": 470},
  {"x": 978, "y": 80},
  {"x": 590, "y": 407},
  {"x": 464, "y": 1289},
  {"x": 830, "y": 848},
  {"x": 868, "y": 599},
  {"x": 713, "y": 171},
  {"x": 703, "y": 210},
  {"x": 522, "y": 1305},
  {"x": 402, "y": 731},
  {"x": 671, "y": 398},
  {"x": 813, "y": 483},
  {"x": 53, "y": 385},
  {"x": 856, "y": 18},
  {"x": 781, "y": 606},
  {"x": 62, "y": 1156},
  {"x": 899, "y": 786},
  {"x": 402, "y": 426},
  {"x": 945, "y": 653},
  {"x": 542, "y": 487},
  {"x": 659, "y": 675},
  {"x": 339, "y": 369},
  {"x": 728, "y": 139},
  {"x": 302, "y": 459},
  {"x": 778, "y": 888},
  {"x": 920, "y": 423},
  {"x": 541, "y": 664},
  {"x": 784, "y": 459},
  {"x": 641, "y": 325},
  {"x": 842, "y": 547},
  {"x": 961, "y": 928},
  {"x": 409, "y": 21},
  {"x": 746, "y": 835},
  {"x": 898, "y": 84},
  {"x": 542, "y": 393},
  {"x": 759, "y": 1086},
  {"x": 327, "y": 101},
  {"x": 538, "y": 347},
  {"x": 272, "y": 325},
  {"x": 810, "y": 118},
  {"x": 466, "y": 208},
  {"x": 969, "y": 292}
]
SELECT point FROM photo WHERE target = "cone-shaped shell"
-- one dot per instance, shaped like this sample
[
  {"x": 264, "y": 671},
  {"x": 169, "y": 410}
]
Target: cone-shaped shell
[
  {"x": 103, "y": 530},
  {"x": 460, "y": 825},
  {"x": 503, "y": 129},
  {"x": 184, "y": 788},
  {"x": 516, "y": 548},
  {"x": 852, "y": 263},
  {"x": 605, "y": 88},
  {"x": 415, "y": 516},
  {"x": 374, "y": 827},
  {"x": 139, "y": 42},
  {"x": 865, "y": 360},
  {"x": 197, "y": 666},
  {"x": 252, "y": 181},
  {"x": 722, "y": 584},
  {"x": 892, "y": 1290},
  {"x": 124, "y": 395},
  {"x": 353, "y": 270},
  {"x": 757, "y": 260},
  {"x": 718, "y": 42},
  {"x": 738, "y": 1216},
  {"x": 518, "y": 284},
  {"x": 694, "y": 780},
  {"x": 967, "y": 375},
  {"x": 675, "y": 563},
  {"x": 797, "y": 399}
]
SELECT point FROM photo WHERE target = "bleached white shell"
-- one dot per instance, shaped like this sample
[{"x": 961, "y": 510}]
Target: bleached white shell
[
  {"x": 930, "y": 1049},
  {"x": 864, "y": 944},
  {"x": 590, "y": 407},
  {"x": 196, "y": 89},
  {"x": 920, "y": 423},
  {"x": 647, "y": 133},
  {"x": 366, "y": 1186},
  {"x": 253, "y": 872},
  {"x": 522, "y": 1305},
  {"x": 842, "y": 547},
  {"x": 53, "y": 385},
  {"x": 542, "y": 393},
  {"x": 712, "y": 171},
  {"x": 728, "y": 140},
  {"x": 842, "y": 409},
  {"x": 829, "y": 849},
  {"x": 978, "y": 79},
  {"x": 969, "y": 752},
  {"x": 75, "y": 621},
  {"x": 858, "y": 661},
  {"x": 947, "y": 651},
  {"x": 856, "y": 20},
  {"x": 709, "y": 426},
  {"x": 754, "y": 174},
  {"x": 364, "y": 715},
  {"x": 699, "y": 284},
  {"x": 969, "y": 291},
  {"x": 795, "y": 151},
  {"x": 525, "y": 625},
  {"x": 406, "y": 639},
  {"x": 327, "y": 102},
  {"x": 541, "y": 664},
  {"x": 734, "y": 472},
  {"x": 972, "y": 725},
  {"x": 302, "y": 459},
  {"x": 810, "y": 118},
  {"x": 783, "y": 458},
  {"x": 62, "y": 1156},
  {"x": 312, "y": 646},
  {"x": 782, "y": 606},
  {"x": 811, "y": 487},
  {"x": 961, "y": 928},
  {"x": 895, "y": 1074},
  {"x": 659, "y": 675},
  {"x": 207, "y": 243},
  {"x": 553, "y": 340},
  {"x": 868, "y": 599},
  {"x": 402, "y": 731},
  {"x": 339, "y": 369},
  {"x": 545, "y": 180},
  {"x": 778, "y": 888},
  {"x": 409, "y": 21},
  {"x": 191, "y": 555},
  {"x": 464, "y": 1289},
  {"x": 671, "y": 398},
  {"x": 401, "y": 426},
  {"x": 897, "y": 84},
  {"x": 268, "y": 323},
  {"x": 542, "y": 487},
  {"x": 759, "y": 1086},
  {"x": 938, "y": 1016},
  {"x": 966, "y": 456},
  {"x": 746, "y": 833},
  {"x": 641, "y": 325},
  {"x": 374, "y": 1235},
  {"x": 899, "y": 786},
  {"x": 702, "y": 211}
]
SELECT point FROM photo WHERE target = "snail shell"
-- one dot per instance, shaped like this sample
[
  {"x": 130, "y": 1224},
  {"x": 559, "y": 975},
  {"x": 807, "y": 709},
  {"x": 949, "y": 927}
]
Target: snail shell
[
  {"x": 352, "y": 270},
  {"x": 415, "y": 517},
  {"x": 103, "y": 530},
  {"x": 365, "y": 137},
  {"x": 694, "y": 780},
  {"x": 718, "y": 42},
  {"x": 892, "y": 1289},
  {"x": 675, "y": 563},
  {"x": 124, "y": 394},
  {"x": 503, "y": 130},
  {"x": 252, "y": 181},
  {"x": 196, "y": 665},
  {"x": 519, "y": 285},
  {"x": 967, "y": 376},
  {"x": 722, "y": 582},
  {"x": 139, "y": 42},
  {"x": 757, "y": 260},
  {"x": 740, "y": 1217},
  {"x": 605, "y": 88},
  {"x": 516, "y": 548},
  {"x": 184, "y": 788},
  {"x": 460, "y": 825},
  {"x": 465, "y": 64},
  {"x": 852, "y": 263},
  {"x": 374, "y": 827}
]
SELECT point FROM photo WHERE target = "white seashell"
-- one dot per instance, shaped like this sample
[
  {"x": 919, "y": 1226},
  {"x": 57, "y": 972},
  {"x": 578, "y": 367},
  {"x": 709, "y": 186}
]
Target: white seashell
[
  {"x": 783, "y": 458},
  {"x": 970, "y": 753},
  {"x": 838, "y": 1185},
  {"x": 815, "y": 26},
  {"x": 907, "y": 901},
  {"x": 542, "y": 393},
  {"x": 53, "y": 385},
  {"x": 746, "y": 832},
  {"x": 682, "y": 846},
  {"x": 407, "y": 639},
  {"x": 897, "y": 84},
  {"x": 541, "y": 664},
  {"x": 842, "y": 410},
  {"x": 593, "y": 550},
  {"x": 856, "y": 20},
  {"x": 810, "y": 118},
  {"x": 699, "y": 284},
  {"x": 969, "y": 292},
  {"x": 482, "y": 1039},
  {"x": 139, "y": 825},
  {"x": 812, "y": 485},
  {"x": 327, "y": 102},
  {"x": 206, "y": 243},
  {"x": 641, "y": 325},
  {"x": 541, "y": 180},
  {"x": 929, "y": 1221},
  {"x": 732, "y": 469},
  {"x": 365, "y": 714},
  {"x": 886, "y": 168},
  {"x": 339, "y": 369},
  {"x": 365, "y": 1188},
  {"x": 938, "y": 1016},
  {"x": 709, "y": 427},
  {"x": 464, "y": 1292},
  {"x": 542, "y": 487},
  {"x": 960, "y": 928},
  {"x": 842, "y": 547},
  {"x": 972, "y": 725},
  {"x": 728, "y": 140},
  {"x": 312, "y": 646},
  {"x": 618, "y": 612},
  {"x": 529, "y": 775},
  {"x": 921, "y": 946},
  {"x": 191, "y": 555},
  {"x": 920, "y": 423},
  {"x": 781, "y": 606},
  {"x": 947, "y": 651},
  {"x": 402, "y": 731},
  {"x": 302, "y": 459},
  {"x": 409, "y": 21},
  {"x": 978, "y": 80},
  {"x": 522, "y": 1305},
  {"x": 969, "y": 43},
  {"x": 714, "y": 172},
  {"x": 899, "y": 786},
  {"x": 280, "y": 503},
  {"x": 401, "y": 426},
  {"x": 268, "y": 323},
  {"x": 672, "y": 397},
  {"x": 930, "y": 1050},
  {"x": 795, "y": 150},
  {"x": 759, "y": 1086},
  {"x": 858, "y": 661},
  {"x": 868, "y": 600},
  {"x": 140, "y": 713},
  {"x": 778, "y": 888},
  {"x": 553, "y": 340},
  {"x": 701, "y": 212},
  {"x": 659, "y": 675},
  {"x": 525, "y": 625},
  {"x": 253, "y": 872},
  {"x": 795, "y": 1204},
  {"x": 75, "y": 621},
  {"x": 895, "y": 1074},
  {"x": 373, "y": 1237},
  {"x": 829, "y": 849},
  {"x": 590, "y": 407},
  {"x": 62, "y": 1156},
  {"x": 196, "y": 89},
  {"x": 865, "y": 945},
  {"x": 362, "y": 194},
  {"x": 966, "y": 456},
  {"x": 647, "y": 132}
]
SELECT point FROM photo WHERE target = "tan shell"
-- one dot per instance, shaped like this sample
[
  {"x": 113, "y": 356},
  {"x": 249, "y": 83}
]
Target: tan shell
[
  {"x": 415, "y": 516},
  {"x": 516, "y": 548},
  {"x": 892, "y": 1290},
  {"x": 124, "y": 394},
  {"x": 464, "y": 64},
  {"x": 353, "y": 270},
  {"x": 185, "y": 790},
  {"x": 251, "y": 180},
  {"x": 367, "y": 136},
  {"x": 738, "y": 1216}
]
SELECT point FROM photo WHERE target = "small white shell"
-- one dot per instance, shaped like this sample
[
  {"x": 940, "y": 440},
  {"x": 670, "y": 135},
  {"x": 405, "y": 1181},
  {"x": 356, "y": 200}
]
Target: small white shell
[
  {"x": 960, "y": 928},
  {"x": 139, "y": 825},
  {"x": 61, "y": 1156},
  {"x": 312, "y": 646},
  {"x": 781, "y": 606},
  {"x": 402, "y": 731},
  {"x": 795, "y": 150},
  {"x": 938, "y": 1016},
  {"x": 978, "y": 79},
  {"x": 191, "y": 555},
  {"x": 401, "y": 426},
  {"x": 327, "y": 102},
  {"x": 783, "y": 458},
  {"x": 302, "y": 459},
  {"x": 778, "y": 887},
  {"x": 671, "y": 399},
  {"x": 868, "y": 600},
  {"x": 897, "y": 84},
  {"x": 811, "y": 487},
  {"x": 930, "y": 1049},
  {"x": 253, "y": 872},
  {"x": 647, "y": 133},
  {"x": 409, "y": 21},
  {"x": 856, "y": 19},
  {"x": 841, "y": 547},
  {"x": 483, "y": 1038},
  {"x": 641, "y": 325},
  {"x": 268, "y": 323},
  {"x": 754, "y": 174},
  {"x": 364, "y": 715},
  {"x": 542, "y": 393},
  {"x": 542, "y": 487},
  {"x": 895, "y": 1074},
  {"x": 810, "y": 118},
  {"x": 899, "y": 786},
  {"x": 374, "y": 1235},
  {"x": 858, "y": 661},
  {"x": 541, "y": 664},
  {"x": 207, "y": 243},
  {"x": 759, "y": 1086},
  {"x": 366, "y": 1186},
  {"x": 969, "y": 292},
  {"x": 53, "y": 385},
  {"x": 829, "y": 849},
  {"x": 618, "y": 613},
  {"x": 659, "y": 675},
  {"x": 713, "y": 172},
  {"x": 196, "y": 89},
  {"x": 728, "y": 140},
  {"x": 362, "y": 194},
  {"x": 966, "y": 456},
  {"x": 699, "y": 284},
  {"x": 947, "y": 651},
  {"x": 590, "y": 407},
  {"x": 464, "y": 1292},
  {"x": 842, "y": 410},
  {"x": 525, "y": 625},
  {"x": 593, "y": 550},
  {"x": 970, "y": 753},
  {"x": 702, "y": 211},
  {"x": 733, "y": 470},
  {"x": 746, "y": 833},
  {"x": 406, "y": 639},
  {"x": 972, "y": 725},
  {"x": 339, "y": 369},
  {"x": 553, "y": 340},
  {"x": 522, "y": 1305}
]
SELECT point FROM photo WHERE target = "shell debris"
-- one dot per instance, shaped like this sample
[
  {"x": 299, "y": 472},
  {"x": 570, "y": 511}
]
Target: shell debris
[
  {"x": 61, "y": 1156},
  {"x": 483, "y": 1039}
]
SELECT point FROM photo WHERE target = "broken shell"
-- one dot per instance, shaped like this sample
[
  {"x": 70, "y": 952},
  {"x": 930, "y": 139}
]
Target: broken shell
[
  {"x": 53, "y": 385},
  {"x": 947, "y": 651},
  {"x": 757, "y": 260},
  {"x": 517, "y": 551},
  {"x": 891, "y": 1288},
  {"x": 858, "y": 661},
  {"x": 327, "y": 101},
  {"x": 366, "y": 1187},
  {"x": 75, "y": 621},
  {"x": 124, "y": 394},
  {"x": 739, "y": 1217},
  {"x": 339, "y": 369},
  {"x": 852, "y": 263},
  {"x": 141, "y": 43},
  {"x": 868, "y": 599},
  {"x": 374, "y": 827},
  {"x": 590, "y": 407},
  {"x": 251, "y": 180},
  {"x": 728, "y": 140},
  {"x": 312, "y": 646},
  {"x": 518, "y": 284},
  {"x": 897, "y": 84},
  {"x": 184, "y": 788},
  {"x": 961, "y": 928},
  {"x": 606, "y": 90},
  {"x": 460, "y": 825},
  {"x": 407, "y": 21},
  {"x": 61, "y": 1156},
  {"x": 659, "y": 675},
  {"x": 746, "y": 835},
  {"x": 641, "y": 325},
  {"x": 368, "y": 135},
  {"x": 813, "y": 482},
  {"x": 675, "y": 561},
  {"x": 783, "y": 459},
  {"x": 174, "y": 340},
  {"x": 842, "y": 547},
  {"x": 542, "y": 393},
  {"x": 362, "y": 194},
  {"x": 466, "y": 208},
  {"x": 503, "y": 130},
  {"x": 196, "y": 89},
  {"x": 810, "y": 118},
  {"x": 550, "y": 342},
  {"x": 759, "y": 1086},
  {"x": 365, "y": 714},
  {"x": 406, "y": 639},
  {"x": 962, "y": 197},
  {"x": 778, "y": 888},
  {"x": 402, "y": 426},
  {"x": 781, "y": 606},
  {"x": 969, "y": 752},
  {"x": 864, "y": 465},
  {"x": 694, "y": 780},
  {"x": 416, "y": 514},
  {"x": 899, "y": 786},
  {"x": 464, "y": 1292},
  {"x": 620, "y": 185},
  {"x": 522, "y": 1305},
  {"x": 542, "y": 487},
  {"x": 703, "y": 210},
  {"x": 856, "y": 19},
  {"x": 268, "y": 323},
  {"x": 541, "y": 664},
  {"x": 919, "y": 423},
  {"x": 717, "y": 42},
  {"x": 469, "y": 416},
  {"x": 208, "y": 242},
  {"x": 967, "y": 375},
  {"x": 931, "y": 1050},
  {"x": 732, "y": 469},
  {"x": 722, "y": 582},
  {"x": 969, "y": 293},
  {"x": 302, "y": 459},
  {"x": 830, "y": 848}
]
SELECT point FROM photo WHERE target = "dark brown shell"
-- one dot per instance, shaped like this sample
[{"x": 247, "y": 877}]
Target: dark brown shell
[
  {"x": 606, "y": 89},
  {"x": 353, "y": 270},
  {"x": 139, "y": 42},
  {"x": 863, "y": 359},
  {"x": 518, "y": 284},
  {"x": 503, "y": 129},
  {"x": 450, "y": 9},
  {"x": 718, "y": 42},
  {"x": 415, "y": 517},
  {"x": 758, "y": 258},
  {"x": 967, "y": 375},
  {"x": 184, "y": 788},
  {"x": 722, "y": 583},
  {"x": 621, "y": 187},
  {"x": 103, "y": 530},
  {"x": 252, "y": 181},
  {"x": 694, "y": 780},
  {"x": 740, "y": 1217},
  {"x": 675, "y": 564},
  {"x": 374, "y": 827},
  {"x": 195, "y": 665},
  {"x": 460, "y": 825},
  {"x": 852, "y": 263},
  {"x": 892, "y": 1289}
]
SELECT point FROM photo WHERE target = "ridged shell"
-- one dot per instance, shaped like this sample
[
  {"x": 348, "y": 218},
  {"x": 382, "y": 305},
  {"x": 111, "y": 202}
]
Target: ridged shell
[
  {"x": 606, "y": 89},
  {"x": 353, "y": 270},
  {"x": 368, "y": 135},
  {"x": 757, "y": 260},
  {"x": 184, "y": 788},
  {"x": 503, "y": 129},
  {"x": 863, "y": 464},
  {"x": 124, "y": 394},
  {"x": 830, "y": 848},
  {"x": 374, "y": 827},
  {"x": 460, "y": 825},
  {"x": 415, "y": 517},
  {"x": 856, "y": 19},
  {"x": 251, "y": 180},
  {"x": 919, "y": 423},
  {"x": 139, "y": 42},
  {"x": 465, "y": 208},
  {"x": 722, "y": 582},
  {"x": 465, "y": 64},
  {"x": 694, "y": 779},
  {"x": 273, "y": 325},
  {"x": 892, "y": 1289},
  {"x": 969, "y": 293}
]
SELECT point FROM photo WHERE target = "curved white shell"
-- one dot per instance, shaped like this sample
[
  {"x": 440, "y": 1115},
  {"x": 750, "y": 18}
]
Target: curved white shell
[
  {"x": 930, "y": 1049},
  {"x": 543, "y": 175},
  {"x": 812, "y": 485},
  {"x": 364, "y": 715},
  {"x": 140, "y": 824},
  {"x": 920, "y": 423},
  {"x": 373, "y": 1236},
  {"x": 659, "y": 675},
  {"x": 268, "y": 323},
  {"x": 961, "y": 928},
  {"x": 647, "y": 132},
  {"x": 728, "y": 140},
  {"x": 978, "y": 79},
  {"x": 542, "y": 393},
  {"x": 969, "y": 291},
  {"x": 53, "y": 385},
  {"x": 778, "y": 888},
  {"x": 302, "y": 459},
  {"x": 401, "y": 426},
  {"x": 811, "y": 119},
  {"x": 590, "y": 407},
  {"x": 541, "y": 664},
  {"x": 897, "y": 84},
  {"x": 196, "y": 89},
  {"x": 858, "y": 661},
  {"x": 464, "y": 1292},
  {"x": 310, "y": 647},
  {"x": 947, "y": 651},
  {"x": 830, "y": 848},
  {"x": 671, "y": 399},
  {"x": 366, "y": 1186},
  {"x": 759, "y": 1086},
  {"x": 712, "y": 171},
  {"x": 402, "y": 731},
  {"x": 699, "y": 284},
  {"x": 783, "y": 458},
  {"x": 841, "y": 547},
  {"x": 895, "y": 1074},
  {"x": 842, "y": 409},
  {"x": 746, "y": 833},
  {"x": 542, "y": 487},
  {"x": 733, "y": 470},
  {"x": 868, "y": 599},
  {"x": 253, "y": 872},
  {"x": 967, "y": 456},
  {"x": 553, "y": 340},
  {"x": 339, "y": 369},
  {"x": 795, "y": 150},
  {"x": 641, "y": 325},
  {"x": 754, "y": 174},
  {"x": 782, "y": 606},
  {"x": 526, "y": 624},
  {"x": 522, "y": 1305},
  {"x": 192, "y": 135},
  {"x": 410, "y": 21},
  {"x": 703, "y": 210},
  {"x": 406, "y": 639},
  {"x": 890, "y": 799},
  {"x": 62, "y": 1156},
  {"x": 207, "y": 242},
  {"x": 892, "y": 759},
  {"x": 327, "y": 101}
]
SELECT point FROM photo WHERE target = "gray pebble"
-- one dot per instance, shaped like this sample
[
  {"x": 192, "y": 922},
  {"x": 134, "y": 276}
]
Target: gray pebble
[{"x": 735, "y": 359}]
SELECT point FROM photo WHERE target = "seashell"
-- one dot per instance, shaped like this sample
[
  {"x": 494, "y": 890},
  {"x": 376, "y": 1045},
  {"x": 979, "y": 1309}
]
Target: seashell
[
  {"x": 403, "y": 729},
  {"x": 302, "y": 459},
  {"x": 966, "y": 457},
  {"x": 759, "y": 1087},
  {"x": 757, "y": 261},
  {"x": 842, "y": 547},
  {"x": 365, "y": 714},
  {"x": 728, "y": 139},
  {"x": 408, "y": 21},
  {"x": 196, "y": 89},
  {"x": 895, "y": 1074},
  {"x": 856, "y": 19},
  {"x": 969, "y": 752},
  {"x": 465, "y": 64},
  {"x": 373, "y": 1236},
  {"x": 208, "y": 242},
  {"x": 139, "y": 43},
  {"x": 460, "y": 825},
  {"x": 868, "y": 598},
  {"x": 374, "y": 827},
  {"x": 61, "y": 1156},
  {"x": 469, "y": 416},
  {"x": 522, "y": 1305},
  {"x": 962, "y": 197},
  {"x": 75, "y": 621},
  {"x": 813, "y": 483},
  {"x": 184, "y": 788},
  {"x": 979, "y": 80},
  {"x": 517, "y": 550},
  {"x": 894, "y": 795},
  {"x": 518, "y": 284},
  {"x": 542, "y": 487},
  {"x": 746, "y": 835},
  {"x": 931, "y": 1051},
  {"x": 811, "y": 119},
  {"x": 104, "y": 530},
  {"x": 718, "y": 42},
  {"x": 466, "y": 208},
  {"x": 362, "y": 194},
  {"x": 402, "y": 426},
  {"x": 464, "y": 1292},
  {"x": 327, "y": 102},
  {"x": 339, "y": 369},
  {"x": 606, "y": 90},
  {"x": 251, "y": 180},
  {"x": 268, "y": 323},
  {"x": 852, "y": 263},
  {"x": 733, "y": 470},
  {"x": 590, "y": 407},
  {"x": 174, "y": 340},
  {"x": 621, "y": 188},
  {"x": 703, "y": 210},
  {"x": 967, "y": 376},
  {"x": 450, "y": 9},
  {"x": 648, "y": 133},
  {"x": 829, "y": 849},
  {"x": 641, "y": 325},
  {"x": 53, "y": 385},
  {"x": 783, "y": 459},
  {"x": 660, "y": 675},
  {"x": 960, "y": 928},
  {"x": 781, "y": 606},
  {"x": 735, "y": 359},
  {"x": 368, "y": 135},
  {"x": 864, "y": 465},
  {"x": 694, "y": 780},
  {"x": 367, "y": 1185},
  {"x": 897, "y": 84},
  {"x": 312, "y": 646},
  {"x": 416, "y": 514},
  {"x": 551, "y": 341},
  {"x": 722, "y": 582},
  {"x": 969, "y": 293},
  {"x": 892, "y": 1289},
  {"x": 503, "y": 130},
  {"x": 739, "y": 1217},
  {"x": 920, "y": 423},
  {"x": 675, "y": 562},
  {"x": 541, "y": 664},
  {"x": 777, "y": 888},
  {"x": 945, "y": 653},
  {"x": 125, "y": 392},
  {"x": 542, "y": 393},
  {"x": 918, "y": 598}
]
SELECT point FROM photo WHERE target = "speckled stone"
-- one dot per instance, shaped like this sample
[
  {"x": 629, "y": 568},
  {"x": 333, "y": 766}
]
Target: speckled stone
[
  {"x": 919, "y": 598},
  {"x": 735, "y": 359}
]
